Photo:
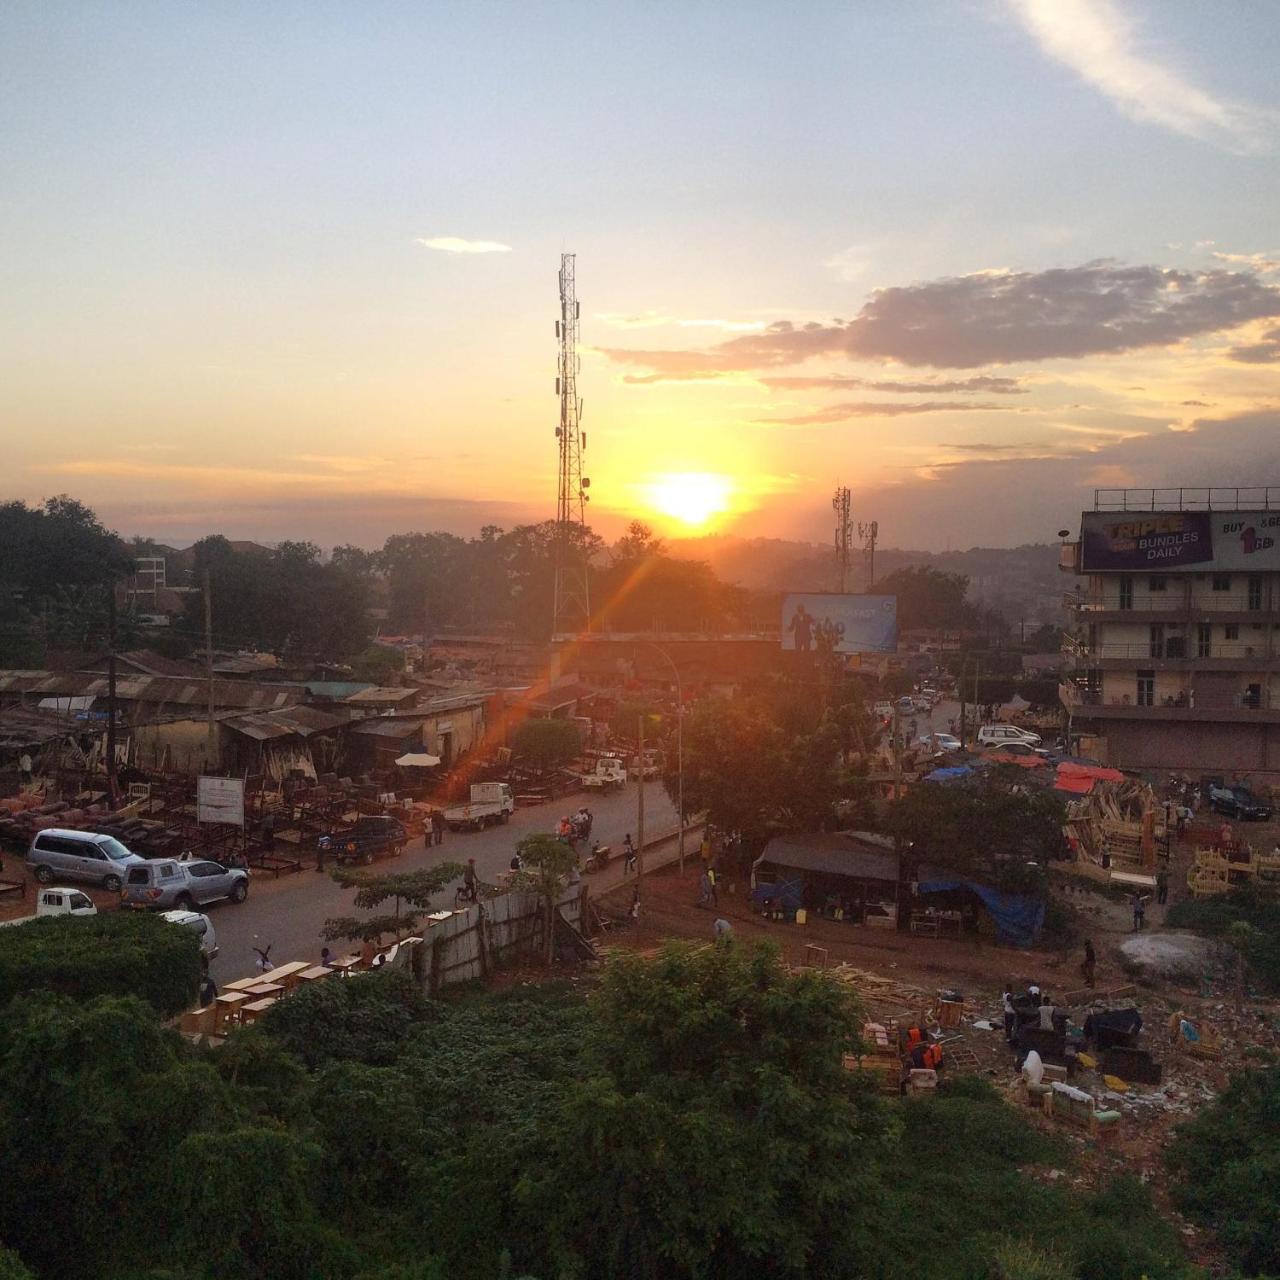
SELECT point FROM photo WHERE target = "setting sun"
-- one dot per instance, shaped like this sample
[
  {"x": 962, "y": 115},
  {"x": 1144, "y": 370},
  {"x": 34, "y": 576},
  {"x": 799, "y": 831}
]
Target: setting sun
[{"x": 692, "y": 497}]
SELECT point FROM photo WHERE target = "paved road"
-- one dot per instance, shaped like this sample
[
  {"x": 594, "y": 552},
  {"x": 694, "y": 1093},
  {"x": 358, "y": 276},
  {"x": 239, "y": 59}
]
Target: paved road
[{"x": 288, "y": 913}]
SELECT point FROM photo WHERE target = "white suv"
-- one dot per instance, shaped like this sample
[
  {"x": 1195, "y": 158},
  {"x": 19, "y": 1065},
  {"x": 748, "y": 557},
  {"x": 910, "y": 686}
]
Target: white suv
[{"x": 999, "y": 735}]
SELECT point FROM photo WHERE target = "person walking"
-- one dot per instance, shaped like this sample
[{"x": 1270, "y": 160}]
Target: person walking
[
  {"x": 1089, "y": 967},
  {"x": 711, "y": 881},
  {"x": 628, "y": 855},
  {"x": 469, "y": 880},
  {"x": 1139, "y": 905},
  {"x": 704, "y": 890}
]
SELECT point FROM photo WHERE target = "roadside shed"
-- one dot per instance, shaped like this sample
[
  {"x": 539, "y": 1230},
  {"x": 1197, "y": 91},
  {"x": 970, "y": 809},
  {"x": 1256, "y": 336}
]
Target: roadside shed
[{"x": 843, "y": 875}]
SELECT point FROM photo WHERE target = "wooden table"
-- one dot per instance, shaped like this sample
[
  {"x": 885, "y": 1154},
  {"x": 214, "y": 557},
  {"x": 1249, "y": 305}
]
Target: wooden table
[
  {"x": 315, "y": 973},
  {"x": 347, "y": 964},
  {"x": 266, "y": 989},
  {"x": 250, "y": 1012},
  {"x": 286, "y": 974},
  {"x": 242, "y": 984},
  {"x": 229, "y": 1006}
]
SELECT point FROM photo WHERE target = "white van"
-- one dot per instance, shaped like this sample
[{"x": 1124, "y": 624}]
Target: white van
[
  {"x": 200, "y": 925},
  {"x": 998, "y": 735}
]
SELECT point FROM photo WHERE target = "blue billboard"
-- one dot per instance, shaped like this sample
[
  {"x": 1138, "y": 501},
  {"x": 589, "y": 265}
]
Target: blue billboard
[{"x": 852, "y": 624}]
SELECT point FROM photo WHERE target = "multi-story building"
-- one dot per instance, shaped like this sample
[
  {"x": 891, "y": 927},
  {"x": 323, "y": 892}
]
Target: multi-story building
[{"x": 1173, "y": 640}]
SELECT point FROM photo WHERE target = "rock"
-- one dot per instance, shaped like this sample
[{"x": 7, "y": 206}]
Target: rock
[{"x": 1169, "y": 955}]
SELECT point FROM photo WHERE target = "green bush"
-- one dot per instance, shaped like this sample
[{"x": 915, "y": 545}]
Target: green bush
[
  {"x": 1215, "y": 916},
  {"x": 1227, "y": 1165},
  {"x": 114, "y": 954},
  {"x": 546, "y": 744}
]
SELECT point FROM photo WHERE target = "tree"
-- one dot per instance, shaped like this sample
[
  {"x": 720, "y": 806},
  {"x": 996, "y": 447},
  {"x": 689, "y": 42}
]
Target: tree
[
  {"x": 417, "y": 888},
  {"x": 928, "y": 597},
  {"x": 546, "y": 744},
  {"x": 377, "y": 664},
  {"x": 545, "y": 865}
]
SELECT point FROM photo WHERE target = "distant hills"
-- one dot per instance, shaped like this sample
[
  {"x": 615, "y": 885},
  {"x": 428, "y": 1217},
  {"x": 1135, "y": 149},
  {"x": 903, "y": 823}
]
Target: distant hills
[{"x": 1022, "y": 583}]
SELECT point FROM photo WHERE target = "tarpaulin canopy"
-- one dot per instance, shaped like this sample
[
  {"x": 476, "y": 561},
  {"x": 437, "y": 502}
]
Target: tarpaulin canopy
[
  {"x": 953, "y": 773},
  {"x": 1098, "y": 772},
  {"x": 1025, "y": 762},
  {"x": 417, "y": 759},
  {"x": 1018, "y": 916},
  {"x": 1076, "y": 784}
]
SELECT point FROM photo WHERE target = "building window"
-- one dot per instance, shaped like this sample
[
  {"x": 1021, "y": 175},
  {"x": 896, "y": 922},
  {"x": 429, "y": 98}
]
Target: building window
[
  {"x": 1146, "y": 688},
  {"x": 1231, "y": 631},
  {"x": 1157, "y": 582},
  {"x": 1253, "y": 696},
  {"x": 1204, "y": 640},
  {"x": 1222, "y": 582},
  {"x": 1155, "y": 648},
  {"x": 1126, "y": 593},
  {"x": 1255, "y": 591}
]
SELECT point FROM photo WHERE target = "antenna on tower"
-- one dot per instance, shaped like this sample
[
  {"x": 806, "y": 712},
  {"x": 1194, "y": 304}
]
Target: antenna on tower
[
  {"x": 869, "y": 533},
  {"x": 572, "y": 598},
  {"x": 844, "y": 535}
]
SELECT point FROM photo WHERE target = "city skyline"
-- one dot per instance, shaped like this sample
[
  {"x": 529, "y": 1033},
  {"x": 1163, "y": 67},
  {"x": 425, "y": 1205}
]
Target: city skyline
[{"x": 293, "y": 273}]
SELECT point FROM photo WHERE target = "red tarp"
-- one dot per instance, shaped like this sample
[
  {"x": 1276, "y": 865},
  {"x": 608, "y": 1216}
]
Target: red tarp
[
  {"x": 1098, "y": 772},
  {"x": 1027, "y": 762},
  {"x": 1076, "y": 784}
]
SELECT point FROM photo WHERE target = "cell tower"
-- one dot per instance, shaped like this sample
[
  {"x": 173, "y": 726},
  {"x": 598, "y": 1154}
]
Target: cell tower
[
  {"x": 572, "y": 598},
  {"x": 869, "y": 533},
  {"x": 844, "y": 535}
]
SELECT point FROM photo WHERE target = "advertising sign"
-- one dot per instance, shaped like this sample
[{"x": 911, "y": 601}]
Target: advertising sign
[
  {"x": 1248, "y": 541},
  {"x": 220, "y": 800},
  {"x": 1145, "y": 540},
  {"x": 853, "y": 624}
]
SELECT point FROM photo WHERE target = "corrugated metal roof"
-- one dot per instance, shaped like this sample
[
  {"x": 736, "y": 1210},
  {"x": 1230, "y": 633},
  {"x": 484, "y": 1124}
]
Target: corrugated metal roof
[
  {"x": 833, "y": 853},
  {"x": 382, "y": 694},
  {"x": 378, "y": 727},
  {"x": 226, "y": 693},
  {"x": 284, "y": 723}
]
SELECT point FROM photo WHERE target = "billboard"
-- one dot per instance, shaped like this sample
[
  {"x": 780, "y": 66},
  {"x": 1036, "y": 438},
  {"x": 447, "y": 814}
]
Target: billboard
[
  {"x": 853, "y": 624},
  {"x": 220, "y": 800},
  {"x": 1159, "y": 541}
]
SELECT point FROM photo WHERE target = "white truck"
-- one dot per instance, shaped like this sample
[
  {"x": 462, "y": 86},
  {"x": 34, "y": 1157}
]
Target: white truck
[
  {"x": 609, "y": 774},
  {"x": 58, "y": 901},
  {"x": 491, "y": 802}
]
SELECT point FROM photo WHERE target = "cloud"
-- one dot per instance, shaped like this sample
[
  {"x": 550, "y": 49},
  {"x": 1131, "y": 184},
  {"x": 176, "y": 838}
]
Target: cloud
[
  {"x": 1264, "y": 351},
  {"x": 454, "y": 244},
  {"x": 983, "y": 384},
  {"x": 1101, "y": 44},
  {"x": 1262, "y": 263},
  {"x": 877, "y": 409},
  {"x": 998, "y": 317}
]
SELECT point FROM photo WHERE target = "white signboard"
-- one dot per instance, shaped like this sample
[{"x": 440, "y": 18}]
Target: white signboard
[{"x": 220, "y": 800}]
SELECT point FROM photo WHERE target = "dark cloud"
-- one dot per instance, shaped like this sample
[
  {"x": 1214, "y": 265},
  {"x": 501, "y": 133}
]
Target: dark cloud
[
  {"x": 877, "y": 409},
  {"x": 988, "y": 448},
  {"x": 1266, "y": 351},
  {"x": 963, "y": 322},
  {"x": 982, "y": 383},
  {"x": 1195, "y": 404}
]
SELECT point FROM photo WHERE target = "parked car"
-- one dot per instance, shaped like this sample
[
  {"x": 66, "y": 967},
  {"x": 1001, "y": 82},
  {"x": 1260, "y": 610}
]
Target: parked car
[
  {"x": 883, "y": 710},
  {"x": 1018, "y": 749},
  {"x": 939, "y": 742},
  {"x": 991, "y": 735},
  {"x": 372, "y": 835},
  {"x": 200, "y": 925},
  {"x": 168, "y": 882},
  {"x": 58, "y": 901},
  {"x": 905, "y": 705},
  {"x": 80, "y": 855},
  {"x": 1239, "y": 802}
]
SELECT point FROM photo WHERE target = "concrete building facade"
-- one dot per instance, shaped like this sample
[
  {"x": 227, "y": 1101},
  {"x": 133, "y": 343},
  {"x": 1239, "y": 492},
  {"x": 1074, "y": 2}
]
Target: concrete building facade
[{"x": 1172, "y": 652}]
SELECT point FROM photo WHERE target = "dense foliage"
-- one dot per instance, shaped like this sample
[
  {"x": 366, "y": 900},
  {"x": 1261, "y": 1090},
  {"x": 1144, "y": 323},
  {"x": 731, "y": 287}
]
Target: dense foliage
[
  {"x": 105, "y": 954},
  {"x": 1226, "y": 1167},
  {"x": 1215, "y": 916},
  {"x": 986, "y": 830},
  {"x": 546, "y": 744},
  {"x": 688, "y": 1116}
]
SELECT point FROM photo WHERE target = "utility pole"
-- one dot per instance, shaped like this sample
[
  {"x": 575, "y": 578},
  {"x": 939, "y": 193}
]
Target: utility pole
[
  {"x": 844, "y": 534},
  {"x": 964, "y": 666},
  {"x": 640, "y": 812},
  {"x": 111, "y": 693},
  {"x": 212, "y": 751},
  {"x": 572, "y": 604},
  {"x": 869, "y": 533},
  {"x": 897, "y": 752}
]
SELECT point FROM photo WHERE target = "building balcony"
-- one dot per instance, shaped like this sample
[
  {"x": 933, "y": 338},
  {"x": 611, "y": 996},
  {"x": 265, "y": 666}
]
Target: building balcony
[
  {"x": 1260, "y": 657},
  {"x": 1176, "y": 604},
  {"x": 1087, "y": 703}
]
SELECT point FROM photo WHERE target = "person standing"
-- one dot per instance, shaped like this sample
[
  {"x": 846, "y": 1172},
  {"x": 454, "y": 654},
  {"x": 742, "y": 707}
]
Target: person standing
[
  {"x": 437, "y": 826},
  {"x": 469, "y": 880},
  {"x": 1139, "y": 905},
  {"x": 1010, "y": 1017},
  {"x": 628, "y": 855},
  {"x": 711, "y": 882},
  {"x": 24, "y": 767},
  {"x": 323, "y": 845},
  {"x": 1089, "y": 967},
  {"x": 1162, "y": 886}
]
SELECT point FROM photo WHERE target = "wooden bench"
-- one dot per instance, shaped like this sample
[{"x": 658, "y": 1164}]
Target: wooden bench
[{"x": 285, "y": 974}]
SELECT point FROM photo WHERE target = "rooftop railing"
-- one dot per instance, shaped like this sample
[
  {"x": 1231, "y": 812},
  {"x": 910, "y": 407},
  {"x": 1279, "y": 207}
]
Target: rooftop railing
[{"x": 1258, "y": 498}]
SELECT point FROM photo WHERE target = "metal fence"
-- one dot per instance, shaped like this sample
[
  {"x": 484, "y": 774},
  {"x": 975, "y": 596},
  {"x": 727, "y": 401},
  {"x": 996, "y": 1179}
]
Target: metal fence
[{"x": 1258, "y": 498}]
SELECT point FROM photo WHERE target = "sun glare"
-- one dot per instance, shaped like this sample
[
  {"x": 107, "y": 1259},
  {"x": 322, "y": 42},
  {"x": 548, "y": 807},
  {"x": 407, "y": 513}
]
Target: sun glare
[{"x": 692, "y": 497}]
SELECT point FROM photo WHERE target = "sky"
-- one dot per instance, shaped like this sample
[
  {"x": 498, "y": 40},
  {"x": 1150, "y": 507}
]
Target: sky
[{"x": 290, "y": 270}]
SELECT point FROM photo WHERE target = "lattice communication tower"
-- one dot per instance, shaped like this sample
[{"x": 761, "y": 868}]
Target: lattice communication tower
[
  {"x": 572, "y": 596},
  {"x": 844, "y": 535}
]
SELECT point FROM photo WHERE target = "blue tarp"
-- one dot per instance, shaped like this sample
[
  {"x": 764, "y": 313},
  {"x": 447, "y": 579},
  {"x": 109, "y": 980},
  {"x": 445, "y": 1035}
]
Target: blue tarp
[
  {"x": 784, "y": 894},
  {"x": 1018, "y": 916},
  {"x": 952, "y": 773}
]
